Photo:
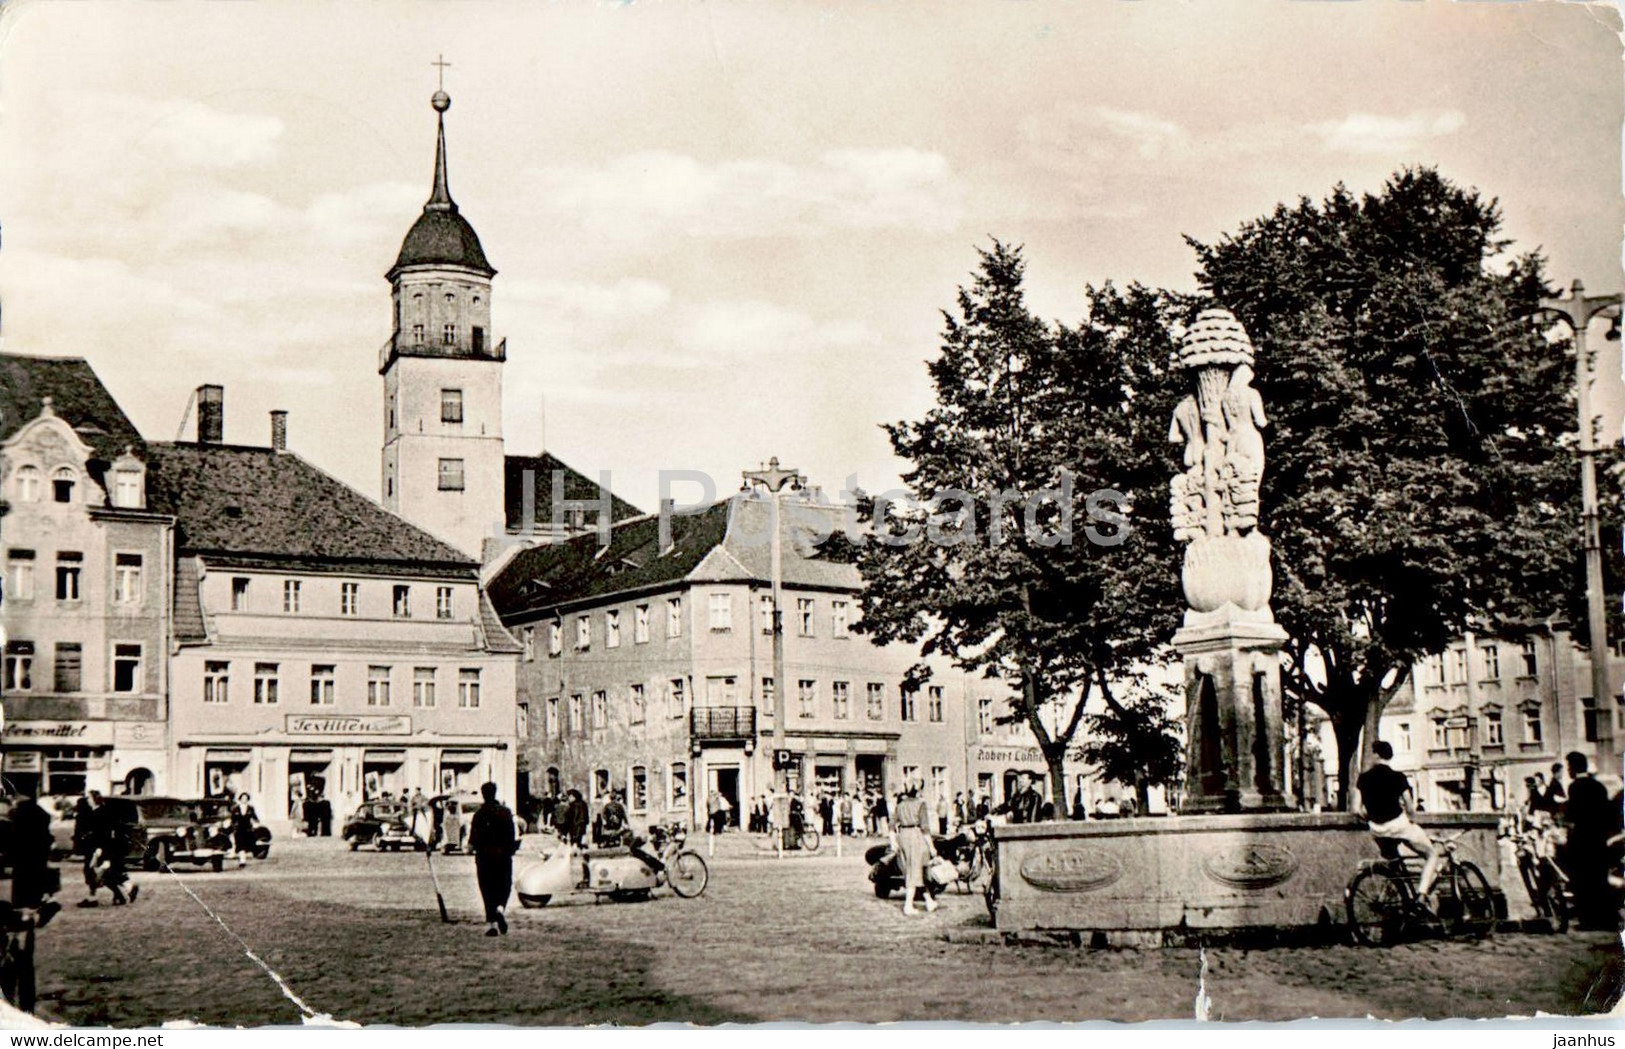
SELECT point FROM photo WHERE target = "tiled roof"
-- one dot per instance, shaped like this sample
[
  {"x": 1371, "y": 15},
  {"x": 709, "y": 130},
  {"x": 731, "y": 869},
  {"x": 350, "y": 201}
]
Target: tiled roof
[
  {"x": 497, "y": 638},
  {"x": 546, "y": 576},
  {"x": 189, "y": 623},
  {"x": 77, "y": 396},
  {"x": 577, "y": 487},
  {"x": 254, "y": 507},
  {"x": 728, "y": 541}
]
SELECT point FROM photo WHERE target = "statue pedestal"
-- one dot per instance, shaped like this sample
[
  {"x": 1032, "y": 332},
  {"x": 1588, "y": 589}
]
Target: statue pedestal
[{"x": 1232, "y": 712}]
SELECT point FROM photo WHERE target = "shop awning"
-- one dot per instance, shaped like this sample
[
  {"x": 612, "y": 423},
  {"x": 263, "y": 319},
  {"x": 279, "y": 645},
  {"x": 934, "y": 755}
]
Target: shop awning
[
  {"x": 309, "y": 757},
  {"x": 222, "y": 756},
  {"x": 383, "y": 757},
  {"x": 459, "y": 757}
]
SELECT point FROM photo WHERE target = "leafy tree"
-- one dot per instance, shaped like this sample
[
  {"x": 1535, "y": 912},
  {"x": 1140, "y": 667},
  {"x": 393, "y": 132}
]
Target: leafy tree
[
  {"x": 992, "y": 581},
  {"x": 1422, "y": 476},
  {"x": 1135, "y": 741}
]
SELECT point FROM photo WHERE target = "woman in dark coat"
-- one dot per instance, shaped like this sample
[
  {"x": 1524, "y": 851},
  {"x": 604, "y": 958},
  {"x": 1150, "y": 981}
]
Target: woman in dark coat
[{"x": 243, "y": 822}]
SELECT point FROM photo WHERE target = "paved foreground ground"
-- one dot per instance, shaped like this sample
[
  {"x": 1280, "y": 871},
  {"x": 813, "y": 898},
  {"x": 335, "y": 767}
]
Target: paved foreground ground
[{"x": 357, "y": 936}]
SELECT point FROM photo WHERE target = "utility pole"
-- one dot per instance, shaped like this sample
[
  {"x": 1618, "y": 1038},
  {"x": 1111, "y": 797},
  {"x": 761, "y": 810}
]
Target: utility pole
[
  {"x": 1578, "y": 311},
  {"x": 772, "y": 480}
]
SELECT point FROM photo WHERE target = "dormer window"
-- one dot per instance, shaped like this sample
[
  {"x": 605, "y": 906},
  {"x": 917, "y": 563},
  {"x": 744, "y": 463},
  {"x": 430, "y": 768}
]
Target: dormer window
[
  {"x": 62, "y": 485},
  {"x": 28, "y": 484},
  {"x": 127, "y": 488}
]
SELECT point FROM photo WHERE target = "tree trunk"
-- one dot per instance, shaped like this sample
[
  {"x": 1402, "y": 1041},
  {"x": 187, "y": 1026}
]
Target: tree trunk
[
  {"x": 1057, "y": 780},
  {"x": 1347, "y": 732}
]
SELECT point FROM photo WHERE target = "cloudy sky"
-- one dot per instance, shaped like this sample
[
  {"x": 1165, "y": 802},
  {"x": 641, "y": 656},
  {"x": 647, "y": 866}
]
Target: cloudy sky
[{"x": 723, "y": 230}]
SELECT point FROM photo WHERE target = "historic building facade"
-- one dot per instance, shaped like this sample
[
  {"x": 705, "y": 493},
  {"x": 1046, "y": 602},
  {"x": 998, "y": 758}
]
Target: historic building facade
[
  {"x": 648, "y": 668},
  {"x": 85, "y": 608},
  {"x": 320, "y": 641},
  {"x": 1496, "y": 708}
]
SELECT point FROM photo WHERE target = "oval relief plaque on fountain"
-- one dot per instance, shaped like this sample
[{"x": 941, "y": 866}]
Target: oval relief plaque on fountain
[
  {"x": 1072, "y": 870},
  {"x": 1257, "y": 865}
]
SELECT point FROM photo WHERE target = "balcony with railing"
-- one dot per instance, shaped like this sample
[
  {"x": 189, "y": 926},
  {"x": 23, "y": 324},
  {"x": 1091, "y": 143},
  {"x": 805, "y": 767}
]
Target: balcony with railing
[
  {"x": 722, "y": 723},
  {"x": 403, "y": 344}
]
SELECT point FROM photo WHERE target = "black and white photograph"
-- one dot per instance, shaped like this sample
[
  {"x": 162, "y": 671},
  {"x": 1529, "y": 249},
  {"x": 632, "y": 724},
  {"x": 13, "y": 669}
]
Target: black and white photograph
[{"x": 674, "y": 512}]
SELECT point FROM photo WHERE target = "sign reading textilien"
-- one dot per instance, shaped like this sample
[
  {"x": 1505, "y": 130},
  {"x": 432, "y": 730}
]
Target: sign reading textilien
[{"x": 361, "y": 724}]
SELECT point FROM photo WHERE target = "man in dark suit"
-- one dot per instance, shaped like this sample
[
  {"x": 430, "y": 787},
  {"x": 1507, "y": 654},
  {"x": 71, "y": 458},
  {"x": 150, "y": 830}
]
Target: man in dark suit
[
  {"x": 1591, "y": 819},
  {"x": 492, "y": 840}
]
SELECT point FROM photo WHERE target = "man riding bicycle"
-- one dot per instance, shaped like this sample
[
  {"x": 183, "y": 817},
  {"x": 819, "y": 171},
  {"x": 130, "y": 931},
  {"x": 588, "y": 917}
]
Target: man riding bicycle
[{"x": 1386, "y": 803}]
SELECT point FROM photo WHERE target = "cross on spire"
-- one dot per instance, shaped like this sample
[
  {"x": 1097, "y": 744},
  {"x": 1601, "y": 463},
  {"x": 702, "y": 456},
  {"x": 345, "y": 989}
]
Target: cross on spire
[{"x": 440, "y": 72}]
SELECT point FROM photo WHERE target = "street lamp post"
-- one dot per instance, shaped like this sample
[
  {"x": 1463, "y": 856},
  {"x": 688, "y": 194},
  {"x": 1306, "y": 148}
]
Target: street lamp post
[
  {"x": 772, "y": 479},
  {"x": 1578, "y": 311}
]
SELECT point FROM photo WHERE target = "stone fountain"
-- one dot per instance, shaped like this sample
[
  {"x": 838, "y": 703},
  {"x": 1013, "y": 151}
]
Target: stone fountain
[{"x": 1235, "y": 857}]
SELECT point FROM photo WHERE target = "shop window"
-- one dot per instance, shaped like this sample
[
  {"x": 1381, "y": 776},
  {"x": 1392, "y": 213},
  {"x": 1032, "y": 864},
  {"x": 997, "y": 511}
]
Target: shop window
[
  {"x": 640, "y": 625},
  {"x": 28, "y": 484},
  {"x": 674, "y": 617},
  {"x": 807, "y": 697},
  {"x": 468, "y": 689},
  {"x": 266, "y": 684},
  {"x": 68, "y": 567},
  {"x": 423, "y": 687},
  {"x": 69, "y": 664},
  {"x": 20, "y": 564},
  {"x": 19, "y": 666},
  {"x": 677, "y": 785},
  {"x": 216, "y": 681},
  {"x": 637, "y": 703},
  {"x": 933, "y": 703},
  {"x": 322, "y": 684},
  {"x": 378, "y": 686},
  {"x": 612, "y": 629},
  {"x": 349, "y": 599},
  {"x": 876, "y": 705},
  {"x": 640, "y": 788}
]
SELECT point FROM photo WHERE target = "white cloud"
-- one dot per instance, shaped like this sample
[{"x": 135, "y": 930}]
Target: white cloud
[
  {"x": 1150, "y": 136},
  {"x": 360, "y": 214},
  {"x": 649, "y": 194},
  {"x": 627, "y": 296},
  {"x": 723, "y": 333},
  {"x": 1375, "y": 133},
  {"x": 201, "y": 136}
]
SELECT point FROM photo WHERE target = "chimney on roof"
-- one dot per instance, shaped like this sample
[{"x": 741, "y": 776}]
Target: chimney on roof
[
  {"x": 211, "y": 413},
  {"x": 279, "y": 430}
]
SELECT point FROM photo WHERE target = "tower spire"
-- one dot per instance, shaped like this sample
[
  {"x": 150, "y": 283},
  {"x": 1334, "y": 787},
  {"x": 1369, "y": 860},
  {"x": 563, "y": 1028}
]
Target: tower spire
[{"x": 440, "y": 197}]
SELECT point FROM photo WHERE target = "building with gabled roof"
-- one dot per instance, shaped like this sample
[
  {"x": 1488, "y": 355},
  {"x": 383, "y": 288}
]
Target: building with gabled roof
[
  {"x": 84, "y": 606},
  {"x": 323, "y": 645},
  {"x": 648, "y": 668}
]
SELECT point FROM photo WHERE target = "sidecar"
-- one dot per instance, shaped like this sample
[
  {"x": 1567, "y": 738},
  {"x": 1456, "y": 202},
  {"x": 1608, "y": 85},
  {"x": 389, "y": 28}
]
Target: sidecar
[
  {"x": 887, "y": 876},
  {"x": 612, "y": 872}
]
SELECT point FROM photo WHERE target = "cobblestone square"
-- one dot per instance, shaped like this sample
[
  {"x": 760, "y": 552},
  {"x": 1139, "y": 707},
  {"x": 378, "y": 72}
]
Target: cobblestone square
[{"x": 357, "y": 936}]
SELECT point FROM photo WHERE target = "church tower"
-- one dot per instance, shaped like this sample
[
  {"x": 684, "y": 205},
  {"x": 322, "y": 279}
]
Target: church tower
[{"x": 443, "y": 453}]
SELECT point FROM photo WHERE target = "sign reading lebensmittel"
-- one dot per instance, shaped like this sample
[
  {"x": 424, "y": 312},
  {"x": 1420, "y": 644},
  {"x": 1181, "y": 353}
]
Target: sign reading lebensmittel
[{"x": 361, "y": 724}]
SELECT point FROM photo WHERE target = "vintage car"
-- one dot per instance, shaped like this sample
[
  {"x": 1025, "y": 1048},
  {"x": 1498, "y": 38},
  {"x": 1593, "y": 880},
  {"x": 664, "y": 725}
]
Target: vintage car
[
  {"x": 378, "y": 823},
  {"x": 215, "y": 815},
  {"x": 166, "y": 831}
]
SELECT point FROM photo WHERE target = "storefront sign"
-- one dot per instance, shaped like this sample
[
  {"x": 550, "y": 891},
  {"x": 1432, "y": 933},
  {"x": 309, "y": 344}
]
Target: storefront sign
[
  {"x": 23, "y": 761},
  {"x": 359, "y": 725},
  {"x": 1020, "y": 755},
  {"x": 60, "y": 733}
]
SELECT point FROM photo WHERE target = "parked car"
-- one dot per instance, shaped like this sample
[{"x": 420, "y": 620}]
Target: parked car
[
  {"x": 215, "y": 814},
  {"x": 370, "y": 820}
]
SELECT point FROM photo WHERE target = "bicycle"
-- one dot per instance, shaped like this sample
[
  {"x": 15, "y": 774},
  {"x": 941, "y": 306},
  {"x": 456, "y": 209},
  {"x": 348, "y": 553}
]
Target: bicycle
[
  {"x": 1543, "y": 879},
  {"x": 1384, "y": 907},
  {"x": 17, "y": 956}
]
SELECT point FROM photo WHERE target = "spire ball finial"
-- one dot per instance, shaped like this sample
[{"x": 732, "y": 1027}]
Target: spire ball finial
[{"x": 440, "y": 101}]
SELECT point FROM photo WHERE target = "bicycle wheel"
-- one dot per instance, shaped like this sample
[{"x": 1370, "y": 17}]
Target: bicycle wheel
[
  {"x": 809, "y": 840},
  {"x": 688, "y": 875},
  {"x": 1376, "y": 909},
  {"x": 1466, "y": 906},
  {"x": 1553, "y": 896}
]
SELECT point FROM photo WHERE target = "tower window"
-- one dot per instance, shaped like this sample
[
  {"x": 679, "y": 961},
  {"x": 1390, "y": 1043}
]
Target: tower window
[
  {"x": 417, "y": 334},
  {"x": 448, "y": 335},
  {"x": 451, "y": 406},
  {"x": 451, "y": 475},
  {"x": 477, "y": 335}
]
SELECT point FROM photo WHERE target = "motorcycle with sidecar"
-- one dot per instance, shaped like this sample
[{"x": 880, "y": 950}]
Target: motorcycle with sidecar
[
  {"x": 621, "y": 872},
  {"x": 965, "y": 852}
]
